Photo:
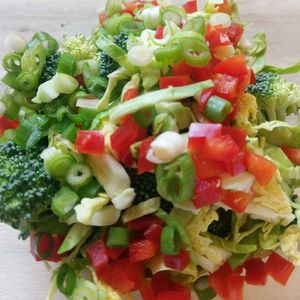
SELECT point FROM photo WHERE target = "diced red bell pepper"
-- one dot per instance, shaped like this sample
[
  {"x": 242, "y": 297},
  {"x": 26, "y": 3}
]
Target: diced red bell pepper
[
  {"x": 98, "y": 256},
  {"x": 144, "y": 223},
  {"x": 153, "y": 233},
  {"x": 190, "y": 6},
  {"x": 292, "y": 153},
  {"x": 145, "y": 165},
  {"x": 201, "y": 74},
  {"x": 226, "y": 86},
  {"x": 142, "y": 250},
  {"x": 219, "y": 284},
  {"x": 115, "y": 253},
  {"x": 208, "y": 168},
  {"x": 174, "y": 81},
  {"x": 237, "y": 165},
  {"x": 279, "y": 268},
  {"x": 146, "y": 291},
  {"x": 235, "y": 286},
  {"x": 207, "y": 192},
  {"x": 217, "y": 36},
  {"x": 253, "y": 77},
  {"x": 6, "y": 123},
  {"x": 244, "y": 81},
  {"x": 80, "y": 79},
  {"x": 43, "y": 243},
  {"x": 261, "y": 168},
  {"x": 90, "y": 142},
  {"x": 159, "y": 34},
  {"x": 127, "y": 134},
  {"x": 225, "y": 7},
  {"x": 256, "y": 273},
  {"x": 160, "y": 282},
  {"x": 181, "y": 68},
  {"x": 172, "y": 295},
  {"x": 178, "y": 262},
  {"x": 102, "y": 17},
  {"x": 237, "y": 200},
  {"x": 235, "y": 32},
  {"x": 130, "y": 94},
  {"x": 239, "y": 135},
  {"x": 123, "y": 276},
  {"x": 220, "y": 148},
  {"x": 235, "y": 66}
]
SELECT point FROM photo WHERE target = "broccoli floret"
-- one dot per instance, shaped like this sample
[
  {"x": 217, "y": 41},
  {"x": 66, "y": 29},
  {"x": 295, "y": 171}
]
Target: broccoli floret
[
  {"x": 276, "y": 97},
  {"x": 80, "y": 47},
  {"x": 50, "y": 67},
  {"x": 107, "y": 64},
  {"x": 222, "y": 227},
  {"x": 144, "y": 186},
  {"x": 25, "y": 188}
]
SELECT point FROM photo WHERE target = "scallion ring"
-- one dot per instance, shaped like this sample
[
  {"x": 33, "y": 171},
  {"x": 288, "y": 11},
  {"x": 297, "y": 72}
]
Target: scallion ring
[
  {"x": 113, "y": 7},
  {"x": 60, "y": 165},
  {"x": 12, "y": 62},
  {"x": 196, "y": 24},
  {"x": 79, "y": 175},
  {"x": 66, "y": 280},
  {"x": 26, "y": 81}
]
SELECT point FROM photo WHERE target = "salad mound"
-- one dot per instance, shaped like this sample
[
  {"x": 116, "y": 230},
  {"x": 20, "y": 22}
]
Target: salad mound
[{"x": 154, "y": 157}]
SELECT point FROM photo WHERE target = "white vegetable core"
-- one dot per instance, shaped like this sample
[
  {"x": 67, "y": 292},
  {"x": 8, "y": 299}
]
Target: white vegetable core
[
  {"x": 220, "y": 19},
  {"x": 140, "y": 56},
  {"x": 2, "y": 109},
  {"x": 15, "y": 42}
]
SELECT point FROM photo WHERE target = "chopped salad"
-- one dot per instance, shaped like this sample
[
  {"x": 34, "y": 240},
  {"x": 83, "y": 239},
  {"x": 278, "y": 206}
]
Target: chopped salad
[{"x": 154, "y": 157}]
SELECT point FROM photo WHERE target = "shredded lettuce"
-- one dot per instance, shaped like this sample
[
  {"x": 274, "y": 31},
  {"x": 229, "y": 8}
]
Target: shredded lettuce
[{"x": 289, "y": 243}]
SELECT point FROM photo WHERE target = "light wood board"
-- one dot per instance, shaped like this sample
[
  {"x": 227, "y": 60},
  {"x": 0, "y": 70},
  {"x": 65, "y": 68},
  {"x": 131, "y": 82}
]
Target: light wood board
[{"x": 20, "y": 277}]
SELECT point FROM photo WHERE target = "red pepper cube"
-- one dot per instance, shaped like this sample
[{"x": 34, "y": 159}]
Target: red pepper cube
[
  {"x": 172, "y": 295},
  {"x": 142, "y": 250},
  {"x": 226, "y": 86},
  {"x": 206, "y": 169},
  {"x": 256, "y": 272},
  {"x": 207, "y": 192},
  {"x": 159, "y": 34},
  {"x": 235, "y": 32},
  {"x": 174, "y": 81},
  {"x": 279, "y": 268},
  {"x": 190, "y": 6},
  {"x": 98, "y": 256},
  {"x": 237, "y": 165},
  {"x": 153, "y": 233},
  {"x": 89, "y": 142},
  {"x": 181, "y": 68},
  {"x": 178, "y": 262},
  {"x": 238, "y": 201},
  {"x": 144, "y": 223},
  {"x": 235, "y": 66}
]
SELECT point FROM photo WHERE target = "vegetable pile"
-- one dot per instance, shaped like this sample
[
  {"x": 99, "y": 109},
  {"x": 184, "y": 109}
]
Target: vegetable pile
[{"x": 153, "y": 157}]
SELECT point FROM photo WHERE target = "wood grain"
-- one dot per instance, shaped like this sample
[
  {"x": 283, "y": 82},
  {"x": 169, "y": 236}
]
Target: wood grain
[{"x": 20, "y": 277}]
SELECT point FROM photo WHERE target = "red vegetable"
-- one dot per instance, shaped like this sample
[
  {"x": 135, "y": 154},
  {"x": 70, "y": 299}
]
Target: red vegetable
[
  {"x": 216, "y": 37},
  {"x": 238, "y": 201},
  {"x": 237, "y": 165},
  {"x": 98, "y": 256},
  {"x": 172, "y": 295},
  {"x": 225, "y": 7},
  {"x": 174, "y": 81},
  {"x": 234, "y": 33},
  {"x": 90, "y": 142},
  {"x": 144, "y": 223},
  {"x": 201, "y": 74},
  {"x": 146, "y": 291},
  {"x": 115, "y": 253},
  {"x": 239, "y": 135},
  {"x": 181, "y": 68},
  {"x": 256, "y": 273},
  {"x": 159, "y": 34},
  {"x": 226, "y": 86},
  {"x": 6, "y": 123},
  {"x": 279, "y": 268},
  {"x": 208, "y": 168},
  {"x": 145, "y": 165},
  {"x": 235, "y": 66},
  {"x": 130, "y": 94},
  {"x": 127, "y": 134},
  {"x": 207, "y": 192},
  {"x": 292, "y": 153},
  {"x": 44, "y": 247},
  {"x": 153, "y": 233},
  {"x": 190, "y": 6},
  {"x": 142, "y": 250},
  {"x": 160, "y": 282},
  {"x": 261, "y": 168},
  {"x": 178, "y": 262}
]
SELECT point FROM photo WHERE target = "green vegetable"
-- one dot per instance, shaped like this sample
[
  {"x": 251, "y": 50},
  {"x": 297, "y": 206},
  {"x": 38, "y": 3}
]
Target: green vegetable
[
  {"x": 67, "y": 64},
  {"x": 217, "y": 109},
  {"x": 26, "y": 81},
  {"x": 289, "y": 243},
  {"x": 176, "y": 180},
  {"x": 280, "y": 133},
  {"x": 108, "y": 64},
  {"x": 79, "y": 175},
  {"x": 77, "y": 233},
  {"x": 173, "y": 13},
  {"x": 164, "y": 122},
  {"x": 295, "y": 68},
  {"x": 115, "y": 24},
  {"x": 63, "y": 202},
  {"x": 196, "y": 24},
  {"x": 203, "y": 289},
  {"x": 50, "y": 67},
  {"x": 170, "y": 241},
  {"x": 276, "y": 97},
  {"x": 66, "y": 280},
  {"x": 49, "y": 43},
  {"x": 113, "y": 7},
  {"x": 269, "y": 236},
  {"x": 145, "y": 116},
  {"x": 25, "y": 188},
  {"x": 117, "y": 237},
  {"x": 12, "y": 62},
  {"x": 90, "y": 190},
  {"x": 153, "y": 98},
  {"x": 236, "y": 260},
  {"x": 168, "y": 55}
]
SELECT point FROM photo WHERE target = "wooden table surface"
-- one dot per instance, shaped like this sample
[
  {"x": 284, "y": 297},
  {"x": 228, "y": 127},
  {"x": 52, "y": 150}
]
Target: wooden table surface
[{"x": 20, "y": 277}]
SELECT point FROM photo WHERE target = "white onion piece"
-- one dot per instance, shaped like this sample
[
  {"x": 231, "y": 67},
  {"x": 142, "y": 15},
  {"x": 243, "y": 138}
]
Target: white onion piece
[
  {"x": 215, "y": 1},
  {"x": 220, "y": 19},
  {"x": 245, "y": 43},
  {"x": 166, "y": 147},
  {"x": 124, "y": 200},
  {"x": 87, "y": 103},
  {"x": 140, "y": 56},
  {"x": 15, "y": 42},
  {"x": 224, "y": 52},
  {"x": 206, "y": 264},
  {"x": 242, "y": 182},
  {"x": 2, "y": 109}
]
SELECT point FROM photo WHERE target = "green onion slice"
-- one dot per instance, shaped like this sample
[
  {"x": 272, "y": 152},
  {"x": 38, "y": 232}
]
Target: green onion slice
[
  {"x": 66, "y": 280},
  {"x": 79, "y": 175}
]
